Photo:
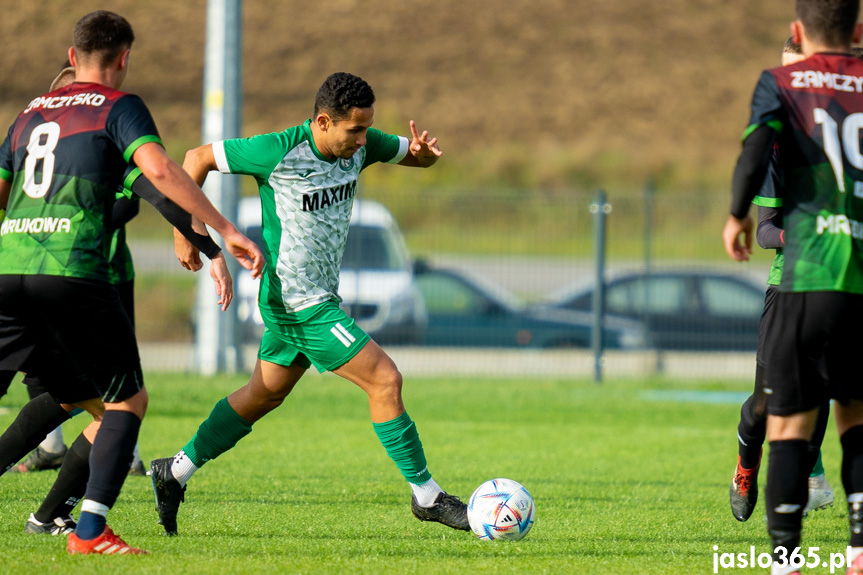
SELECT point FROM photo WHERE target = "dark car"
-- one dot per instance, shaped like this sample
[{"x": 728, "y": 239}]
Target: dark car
[
  {"x": 466, "y": 311},
  {"x": 683, "y": 310}
]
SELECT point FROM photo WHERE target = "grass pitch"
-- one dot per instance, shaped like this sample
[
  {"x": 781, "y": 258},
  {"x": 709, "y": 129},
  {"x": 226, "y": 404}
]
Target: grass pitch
[{"x": 628, "y": 477}]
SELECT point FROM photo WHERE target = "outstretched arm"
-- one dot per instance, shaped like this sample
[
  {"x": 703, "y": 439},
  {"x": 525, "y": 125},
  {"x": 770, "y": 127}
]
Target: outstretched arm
[
  {"x": 176, "y": 216},
  {"x": 422, "y": 151},
  {"x": 176, "y": 184}
]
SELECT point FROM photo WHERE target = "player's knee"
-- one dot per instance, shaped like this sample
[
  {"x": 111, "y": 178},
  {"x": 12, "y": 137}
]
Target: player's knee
[{"x": 388, "y": 384}]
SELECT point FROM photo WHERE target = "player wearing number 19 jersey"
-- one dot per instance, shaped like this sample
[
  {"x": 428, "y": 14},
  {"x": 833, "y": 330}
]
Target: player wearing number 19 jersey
[{"x": 814, "y": 111}]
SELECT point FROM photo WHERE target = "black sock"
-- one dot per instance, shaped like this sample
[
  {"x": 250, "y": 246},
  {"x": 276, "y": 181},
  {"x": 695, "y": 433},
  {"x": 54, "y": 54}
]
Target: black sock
[
  {"x": 751, "y": 432},
  {"x": 111, "y": 456},
  {"x": 852, "y": 480},
  {"x": 787, "y": 491},
  {"x": 35, "y": 420},
  {"x": 71, "y": 482}
]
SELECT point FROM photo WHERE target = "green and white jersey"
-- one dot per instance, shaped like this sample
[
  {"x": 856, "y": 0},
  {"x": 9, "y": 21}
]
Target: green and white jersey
[{"x": 306, "y": 202}]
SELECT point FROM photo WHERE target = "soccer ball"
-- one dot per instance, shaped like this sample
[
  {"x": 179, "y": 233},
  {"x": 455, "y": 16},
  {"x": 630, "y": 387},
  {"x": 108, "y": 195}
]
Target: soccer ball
[{"x": 500, "y": 509}]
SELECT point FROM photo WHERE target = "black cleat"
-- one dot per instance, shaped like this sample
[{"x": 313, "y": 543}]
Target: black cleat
[
  {"x": 59, "y": 526},
  {"x": 447, "y": 509},
  {"x": 743, "y": 494},
  {"x": 167, "y": 492}
]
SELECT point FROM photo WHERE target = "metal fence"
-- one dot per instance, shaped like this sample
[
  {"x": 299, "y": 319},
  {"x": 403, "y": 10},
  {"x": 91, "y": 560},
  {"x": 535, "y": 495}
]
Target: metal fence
[{"x": 525, "y": 251}]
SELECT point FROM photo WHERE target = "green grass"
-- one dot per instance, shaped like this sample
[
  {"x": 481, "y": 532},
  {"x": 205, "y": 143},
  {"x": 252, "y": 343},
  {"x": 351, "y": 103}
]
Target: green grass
[{"x": 623, "y": 483}]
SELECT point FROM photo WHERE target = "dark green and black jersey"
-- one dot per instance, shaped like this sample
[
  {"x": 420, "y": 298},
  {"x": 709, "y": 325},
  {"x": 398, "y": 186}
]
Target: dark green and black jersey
[
  {"x": 816, "y": 107},
  {"x": 66, "y": 156}
]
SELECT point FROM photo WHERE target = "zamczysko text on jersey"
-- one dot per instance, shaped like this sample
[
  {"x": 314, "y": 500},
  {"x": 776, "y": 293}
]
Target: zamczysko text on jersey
[
  {"x": 815, "y": 79},
  {"x": 85, "y": 99}
]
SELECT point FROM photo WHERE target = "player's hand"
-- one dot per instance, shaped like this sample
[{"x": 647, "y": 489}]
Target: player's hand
[
  {"x": 425, "y": 150},
  {"x": 223, "y": 280},
  {"x": 731, "y": 238},
  {"x": 189, "y": 256},
  {"x": 245, "y": 250}
]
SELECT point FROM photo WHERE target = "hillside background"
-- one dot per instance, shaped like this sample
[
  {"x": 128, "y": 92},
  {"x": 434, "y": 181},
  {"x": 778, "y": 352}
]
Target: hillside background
[{"x": 523, "y": 94}]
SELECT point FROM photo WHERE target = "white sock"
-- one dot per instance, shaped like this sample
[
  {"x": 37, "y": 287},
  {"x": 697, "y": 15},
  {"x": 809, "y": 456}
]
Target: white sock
[
  {"x": 182, "y": 468},
  {"x": 53, "y": 442},
  {"x": 90, "y": 506},
  {"x": 426, "y": 493}
]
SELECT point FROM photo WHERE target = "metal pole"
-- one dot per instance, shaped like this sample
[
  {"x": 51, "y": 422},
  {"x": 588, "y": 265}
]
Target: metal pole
[
  {"x": 217, "y": 346},
  {"x": 649, "y": 198},
  {"x": 600, "y": 210},
  {"x": 649, "y": 193}
]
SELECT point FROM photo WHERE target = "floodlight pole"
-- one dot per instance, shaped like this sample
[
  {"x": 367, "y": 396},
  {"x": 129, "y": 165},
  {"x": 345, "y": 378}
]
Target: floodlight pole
[
  {"x": 217, "y": 345},
  {"x": 600, "y": 209}
]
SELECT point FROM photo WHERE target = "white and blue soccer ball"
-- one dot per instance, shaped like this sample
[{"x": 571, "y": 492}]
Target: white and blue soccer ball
[{"x": 500, "y": 509}]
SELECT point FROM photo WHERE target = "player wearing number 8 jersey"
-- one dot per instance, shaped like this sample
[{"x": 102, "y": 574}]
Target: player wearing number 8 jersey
[
  {"x": 60, "y": 167},
  {"x": 814, "y": 111}
]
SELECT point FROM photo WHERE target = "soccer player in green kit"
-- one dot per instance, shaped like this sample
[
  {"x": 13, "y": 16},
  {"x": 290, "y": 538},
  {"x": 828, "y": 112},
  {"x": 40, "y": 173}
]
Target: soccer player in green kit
[{"x": 307, "y": 178}]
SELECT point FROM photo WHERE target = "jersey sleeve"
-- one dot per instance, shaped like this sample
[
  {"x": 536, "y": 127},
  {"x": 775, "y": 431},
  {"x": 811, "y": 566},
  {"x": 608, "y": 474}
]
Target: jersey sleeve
[
  {"x": 256, "y": 156},
  {"x": 381, "y": 147},
  {"x": 767, "y": 108},
  {"x": 130, "y": 125},
  {"x": 770, "y": 195},
  {"x": 132, "y": 174}
]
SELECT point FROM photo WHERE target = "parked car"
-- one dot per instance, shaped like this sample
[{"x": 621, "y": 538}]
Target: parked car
[
  {"x": 469, "y": 311},
  {"x": 682, "y": 310},
  {"x": 376, "y": 281}
]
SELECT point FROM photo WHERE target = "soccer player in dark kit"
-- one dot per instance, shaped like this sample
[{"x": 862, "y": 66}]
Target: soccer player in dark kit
[
  {"x": 61, "y": 164},
  {"x": 814, "y": 111}
]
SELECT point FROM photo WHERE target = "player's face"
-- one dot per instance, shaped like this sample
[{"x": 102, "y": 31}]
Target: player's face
[{"x": 345, "y": 137}]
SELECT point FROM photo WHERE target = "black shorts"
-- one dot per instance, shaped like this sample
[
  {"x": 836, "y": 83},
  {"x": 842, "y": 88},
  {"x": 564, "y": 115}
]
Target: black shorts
[
  {"x": 73, "y": 333},
  {"x": 810, "y": 328}
]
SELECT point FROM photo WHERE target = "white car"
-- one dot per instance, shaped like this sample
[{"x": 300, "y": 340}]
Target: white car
[{"x": 376, "y": 282}]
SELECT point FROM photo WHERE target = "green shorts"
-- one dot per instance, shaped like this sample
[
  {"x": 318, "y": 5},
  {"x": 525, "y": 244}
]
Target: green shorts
[{"x": 322, "y": 335}]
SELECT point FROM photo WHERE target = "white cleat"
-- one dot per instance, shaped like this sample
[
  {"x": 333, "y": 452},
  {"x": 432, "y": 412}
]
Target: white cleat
[{"x": 820, "y": 494}]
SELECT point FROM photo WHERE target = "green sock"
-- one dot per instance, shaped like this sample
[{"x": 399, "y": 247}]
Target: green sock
[
  {"x": 217, "y": 434},
  {"x": 402, "y": 442},
  {"x": 819, "y": 467}
]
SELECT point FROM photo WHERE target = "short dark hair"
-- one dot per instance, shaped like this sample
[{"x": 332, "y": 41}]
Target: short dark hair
[
  {"x": 829, "y": 22},
  {"x": 102, "y": 34},
  {"x": 340, "y": 92},
  {"x": 792, "y": 47}
]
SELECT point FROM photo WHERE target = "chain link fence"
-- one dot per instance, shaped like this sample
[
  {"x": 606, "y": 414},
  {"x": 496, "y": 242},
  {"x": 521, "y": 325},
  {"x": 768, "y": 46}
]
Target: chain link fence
[{"x": 500, "y": 283}]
